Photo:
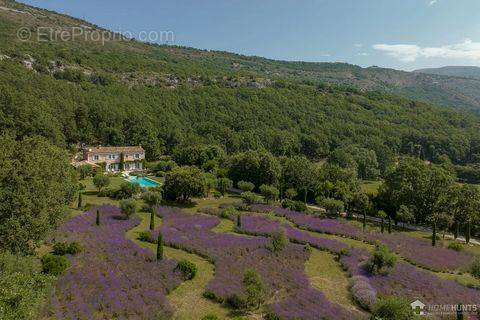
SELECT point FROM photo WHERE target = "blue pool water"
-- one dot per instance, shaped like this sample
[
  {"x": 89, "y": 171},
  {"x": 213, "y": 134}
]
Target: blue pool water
[{"x": 144, "y": 182}]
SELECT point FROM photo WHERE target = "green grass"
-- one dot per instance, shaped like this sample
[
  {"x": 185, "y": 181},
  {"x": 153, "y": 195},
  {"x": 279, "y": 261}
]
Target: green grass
[
  {"x": 327, "y": 276},
  {"x": 187, "y": 299},
  {"x": 371, "y": 187}
]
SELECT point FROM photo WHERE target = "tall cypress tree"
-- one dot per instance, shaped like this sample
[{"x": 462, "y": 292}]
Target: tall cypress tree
[
  {"x": 434, "y": 234},
  {"x": 160, "y": 247},
  {"x": 389, "y": 224},
  {"x": 239, "y": 221},
  {"x": 152, "y": 219},
  {"x": 364, "y": 220},
  {"x": 97, "y": 221},
  {"x": 469, "y": 231},
  {"x": 80, "y": 200},
  {"x": 456, "y": 230}
]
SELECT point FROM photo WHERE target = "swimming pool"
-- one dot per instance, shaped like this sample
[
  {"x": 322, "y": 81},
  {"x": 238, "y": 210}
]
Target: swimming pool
[{"x": 144, "y": 182}]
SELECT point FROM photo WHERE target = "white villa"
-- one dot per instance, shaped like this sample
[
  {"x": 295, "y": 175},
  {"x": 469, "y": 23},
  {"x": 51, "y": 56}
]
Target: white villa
[{"x": 131, "y": 158}]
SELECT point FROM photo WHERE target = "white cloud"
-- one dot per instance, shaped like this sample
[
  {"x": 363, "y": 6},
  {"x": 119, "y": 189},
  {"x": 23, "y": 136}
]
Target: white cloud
[
  {"x": 363, "y": 54},
  {"x": 466, "y": 50},
  {"x": 358, "y": 45},
  {"x": 432, "y": 2}
]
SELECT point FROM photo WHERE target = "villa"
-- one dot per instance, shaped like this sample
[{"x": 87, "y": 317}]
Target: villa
[{"x": 115, "y": 158}]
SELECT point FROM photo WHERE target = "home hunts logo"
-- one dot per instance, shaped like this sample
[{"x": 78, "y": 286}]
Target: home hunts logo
[{"x": 421, "y": 309}]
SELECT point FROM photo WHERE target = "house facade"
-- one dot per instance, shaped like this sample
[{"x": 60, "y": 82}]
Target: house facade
[{"x": 116, "y": 158}]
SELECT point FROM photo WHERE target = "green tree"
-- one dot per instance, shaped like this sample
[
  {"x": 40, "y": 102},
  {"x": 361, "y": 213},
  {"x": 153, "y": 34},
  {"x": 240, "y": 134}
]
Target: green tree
[
  {"x": 80, "y": 200},
  {"x": 37, "y": 183},
  {"x": 152, "y": 199},
  {"x": 255, "y": 290},
  {"x": 382, "y": 215},
  {"x": 101, "y": 181},
  {"x": 97, "y": 219},
  {"x": 382, "y": 259},
  {"x": 183, "y": 183},
  {"x": 278, "y": 241},
  {"x": 405, "y": 215},
  {"x": 24, "y": 287},
  {"x": 269, "y": 193},
  {"x": 223, "y": 184},
  {"x": 245, "y": 186},
  {"x": 85, "y": 171},
  {"x": 160, "y": 247},
  {"x": 291, "y": 194},
  {"x": 298, "y": 173},
  {"x": 128, "y": 207},
  {"x": 332, "y": 206}
]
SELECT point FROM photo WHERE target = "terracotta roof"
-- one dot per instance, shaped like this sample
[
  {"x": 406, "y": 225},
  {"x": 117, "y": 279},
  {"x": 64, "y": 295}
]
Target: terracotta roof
[{"x": 114, "y": 149}]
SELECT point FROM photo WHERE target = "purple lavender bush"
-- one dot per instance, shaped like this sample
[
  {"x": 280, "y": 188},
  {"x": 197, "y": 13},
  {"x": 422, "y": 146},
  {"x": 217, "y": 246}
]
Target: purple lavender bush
[{"x": 112, "y": 278}]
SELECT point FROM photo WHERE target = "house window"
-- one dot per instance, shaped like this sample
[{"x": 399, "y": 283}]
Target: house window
[
  {"x": 137, "y": 156},
  {"x": 96, "y": 157}
]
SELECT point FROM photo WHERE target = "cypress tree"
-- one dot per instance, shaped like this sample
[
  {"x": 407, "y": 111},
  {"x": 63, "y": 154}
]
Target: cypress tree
[
  {"x": 456, "y": 230},
  {"x": 469, "y": 231},
  {"x": 80, "y": 200},
  {"x": 364, "y": 221},
  {"x": 434, "y": 235},
  {"x": 121, "y": 165},
  {"x": 97, "y": 221},
  {"x": 383, "y": 225},
  {"x": 460, "y": 312},
  {"x": 152, "y": 220},
  {"x": 239, "y": 221},
  {"x": 160, "y": 247},
  {"x": 389, "y": 224}
]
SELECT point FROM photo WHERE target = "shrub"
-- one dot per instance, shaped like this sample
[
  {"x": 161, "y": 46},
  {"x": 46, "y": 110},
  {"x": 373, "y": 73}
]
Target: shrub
[
  {"x": 74, "y": 248},
  {"x": 128, "y": 207},
  {"x": 146, "y": 236},
  {"x": 455, "y": 246},
  {"x": 60, "y": 248},
  {"x": 393, "y": 308},
  {"x": 188, "y": 269},
  {"x": 250, "y": 197},
  {"x": 363, "y": 293},
  {"x": 55, "y": 265},
  {"x": 227, "y": 213},
  {"x": 104, "y": 193},
  {"x": 294, "y": 205},
  {"x": 127, "y": 190},
  {"x": 382, "y": 259},
  {"x": 63, "y": 248},
  {"x": 254, "y": 290},
  {"x": 210, "y": 317},
  {"x": 278, "y": 241},
  {"x": 245, "y": 186},
  {"x": 475, "y": 268}
]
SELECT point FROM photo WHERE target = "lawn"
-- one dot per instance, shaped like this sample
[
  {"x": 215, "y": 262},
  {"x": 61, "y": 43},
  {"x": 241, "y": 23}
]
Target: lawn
[
  {"x": 371, "y": 187},
  {"x": 327, "y": 275}
]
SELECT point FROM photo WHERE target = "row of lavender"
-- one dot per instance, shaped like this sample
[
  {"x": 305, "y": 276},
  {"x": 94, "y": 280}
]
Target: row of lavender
[
  {"x": 283, "y": 272},
  {"x": 408, "y": 281},
  {"x": 417, "y": 251},
  {"x": 112, "y": 277},
  {"x": 404, "y": 280}
]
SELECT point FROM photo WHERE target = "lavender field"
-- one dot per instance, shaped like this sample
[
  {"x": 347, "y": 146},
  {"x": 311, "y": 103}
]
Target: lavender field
[{"x": 112, "y": 277}]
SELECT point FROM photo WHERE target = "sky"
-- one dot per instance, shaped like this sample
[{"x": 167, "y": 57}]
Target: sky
[{"x": 400, "y": 34}]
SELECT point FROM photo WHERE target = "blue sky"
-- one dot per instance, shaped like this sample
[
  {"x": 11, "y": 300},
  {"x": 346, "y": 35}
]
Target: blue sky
[{"x": 401, "y": 34}]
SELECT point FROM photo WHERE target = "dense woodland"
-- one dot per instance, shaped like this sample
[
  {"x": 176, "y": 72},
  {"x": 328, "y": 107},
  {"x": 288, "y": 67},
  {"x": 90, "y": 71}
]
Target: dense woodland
[{"x": 207, "y": 128}]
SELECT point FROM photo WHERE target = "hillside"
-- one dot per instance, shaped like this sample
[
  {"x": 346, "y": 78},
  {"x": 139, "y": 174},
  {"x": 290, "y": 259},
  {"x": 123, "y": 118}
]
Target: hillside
[
  {"x": 126, "y": 92},
  {"x": 454, "y": 71}
]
